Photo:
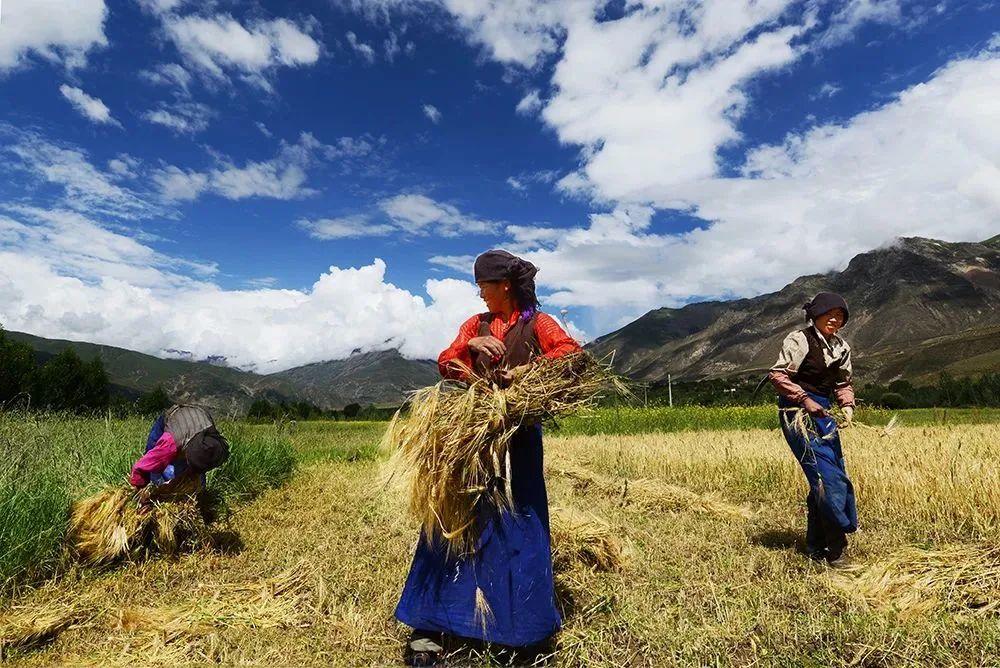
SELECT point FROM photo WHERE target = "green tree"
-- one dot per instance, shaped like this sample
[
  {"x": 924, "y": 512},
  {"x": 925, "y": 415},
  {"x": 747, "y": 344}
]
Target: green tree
[
  {"x": 261, "y": 409},
  {"x": 155, "y": 402},
  {"x": 351, "y": 410},
  {"x": 17, "y": 367},
  {"x": 68, "y": 383}
]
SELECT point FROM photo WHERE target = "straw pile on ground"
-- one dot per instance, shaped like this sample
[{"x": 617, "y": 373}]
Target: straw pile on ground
[
  {"x": 647, "y": 494},
  {"x": 958, "y": 578},
  {"x": 581, "y": 539},
  {"x": 293, "y": 598},
  {"x": 452, "y": 447},
  {"x": 107, "y": 526}
]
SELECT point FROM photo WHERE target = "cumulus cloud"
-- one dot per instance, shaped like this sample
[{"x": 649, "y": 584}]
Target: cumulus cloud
[
  {"x": 419, "y": 214},
  {"x": 218, "y": 46},
  {"x": 181, "y": 117},
  {"x": 360, "y": 48},
  {"x": 924, "y": 164},
  {"x": 530, "y": 104},
  {"x": 283, "y": 177},
  {"x": 405, "y": 215},
  {"x": 64, "y": 275},
  {"x": 53, "y": 30},
  {"x": 432, "y": 113},
  {"x": 91, "y": 108},
  {"x": 347, "y": 227}
]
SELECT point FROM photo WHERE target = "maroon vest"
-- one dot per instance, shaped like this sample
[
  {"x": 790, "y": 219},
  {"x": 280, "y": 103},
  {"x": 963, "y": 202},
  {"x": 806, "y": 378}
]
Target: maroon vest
[
  {"x": 813, "y": 374},
  {"x": 520, "y": 340}
]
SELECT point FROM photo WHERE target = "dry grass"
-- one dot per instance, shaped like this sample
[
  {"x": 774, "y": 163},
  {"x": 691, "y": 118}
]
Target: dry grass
[
  {"x": 450, "y": 450},
  {"x": 649, "y": 495},
  {"x": 107, "y": 526},
  {"x": 584, "y": 540},
  {"x": 915, "y": 580},
  {"x": 697, "y": 588}
]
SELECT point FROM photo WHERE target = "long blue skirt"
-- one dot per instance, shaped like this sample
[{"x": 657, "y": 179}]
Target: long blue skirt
[
  {"x": 822, "y": 462},
  {"x": 512, "y": 566}
]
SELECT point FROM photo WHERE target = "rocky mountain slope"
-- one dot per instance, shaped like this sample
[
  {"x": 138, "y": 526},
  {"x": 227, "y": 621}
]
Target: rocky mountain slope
[{"x": 918, "y": 307}]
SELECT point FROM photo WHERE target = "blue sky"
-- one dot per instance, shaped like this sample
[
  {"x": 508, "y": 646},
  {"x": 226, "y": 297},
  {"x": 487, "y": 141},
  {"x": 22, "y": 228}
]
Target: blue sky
[{"x": 281, "y": 183}]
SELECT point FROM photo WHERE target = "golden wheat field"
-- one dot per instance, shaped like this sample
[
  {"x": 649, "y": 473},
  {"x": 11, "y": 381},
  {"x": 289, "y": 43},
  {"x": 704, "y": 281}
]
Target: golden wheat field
[{"x": 671, "y": 549}]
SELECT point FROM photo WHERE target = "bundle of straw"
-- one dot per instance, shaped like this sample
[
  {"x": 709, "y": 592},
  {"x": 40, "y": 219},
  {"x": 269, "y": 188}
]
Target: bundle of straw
[
  {"x": 584, "y": 539},
  {"x": 452, "y": 448},
  {"x": 915, "y": 580},
  {"x": 107, "y": 526},
  {"x": 803, "y": 424}
]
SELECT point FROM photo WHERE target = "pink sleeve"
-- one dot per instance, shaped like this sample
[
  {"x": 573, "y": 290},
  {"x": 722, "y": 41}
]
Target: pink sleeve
[
  {"x": 154, "y": 461},
  {"x": 787, "y": 387},
  {"x": 844, "y": 395}
]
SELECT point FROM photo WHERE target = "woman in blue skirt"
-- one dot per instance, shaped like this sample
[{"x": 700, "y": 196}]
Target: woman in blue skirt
[
  {"x": 512, "y": 562},
  {"x": 813, "y": 370}
]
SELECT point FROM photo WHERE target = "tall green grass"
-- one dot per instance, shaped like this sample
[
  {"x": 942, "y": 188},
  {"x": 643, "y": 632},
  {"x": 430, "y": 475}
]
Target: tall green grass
[{"x": 47, "y": 461}]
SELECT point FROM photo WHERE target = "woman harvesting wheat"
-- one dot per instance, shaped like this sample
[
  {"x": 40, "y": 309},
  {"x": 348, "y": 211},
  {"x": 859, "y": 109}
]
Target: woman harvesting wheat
[
  {"x": 509, "y": 568},
  {"x": 814, "y": 367}
]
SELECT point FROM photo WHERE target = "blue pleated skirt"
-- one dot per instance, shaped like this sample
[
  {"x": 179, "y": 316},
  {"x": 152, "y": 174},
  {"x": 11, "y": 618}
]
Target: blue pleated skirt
[{"x": 512, "y": 566}]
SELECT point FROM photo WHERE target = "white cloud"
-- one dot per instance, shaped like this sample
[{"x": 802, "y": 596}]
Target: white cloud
[
  {"x": 181, "y": 117},
  {"x": 65, "y": 276},
  {"x": 124, "y": 166},
  {"x": 925, "y": 164},
  {"x": 91, "y": 108},
  {"x": 432, "y": 113},
  {"x": 419, "y": 214},
  {"x": 263, "y": 130},
  {"x": 283, "y": 177},
  {"x": 853, "y": 14},
  {"x": 827, "y": 90},
  {"x": 516, "y": 185},
  {"x": 391, "y": 46},
  {"x": 362, "y": 49},
  {"x": 170, "y": 75},
  {"x": 347, "y": 227},
  {"x": 530, "y": 104},
  {"x": 219, "y": 45},
  {"x": 84, "y": 187},
  {"x": 54, "y": 30}
]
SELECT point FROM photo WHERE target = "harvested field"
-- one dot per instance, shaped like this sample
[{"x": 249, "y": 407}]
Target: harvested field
[{"x": 648, "y": 574}]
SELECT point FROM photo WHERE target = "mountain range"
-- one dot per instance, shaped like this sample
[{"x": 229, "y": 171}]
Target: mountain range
[{"x": 918, "y": 308}]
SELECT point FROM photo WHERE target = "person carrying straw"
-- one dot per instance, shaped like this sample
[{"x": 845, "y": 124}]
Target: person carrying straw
[
  {"x": 183, "y": 444},
  {"x": 509, "y": 569},
  {"x": 814, "y": 368}
]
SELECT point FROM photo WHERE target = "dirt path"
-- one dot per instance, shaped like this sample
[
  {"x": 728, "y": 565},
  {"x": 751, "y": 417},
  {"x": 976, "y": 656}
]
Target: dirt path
[{"x": 314, "y": 582}]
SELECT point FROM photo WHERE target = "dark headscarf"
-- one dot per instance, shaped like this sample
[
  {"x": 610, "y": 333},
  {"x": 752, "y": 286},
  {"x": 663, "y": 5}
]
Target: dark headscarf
[
  {"x": 499, "y": 265},
  {"x": 206, "y": 450},
  {"x": 826, "y": 301}
]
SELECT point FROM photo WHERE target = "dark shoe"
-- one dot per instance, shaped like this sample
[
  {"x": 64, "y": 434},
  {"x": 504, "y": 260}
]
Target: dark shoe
[
  {"x": 838, "y": 559},
  {"x": 423, "y": 649},
  {"x": 817, "y": 554}
]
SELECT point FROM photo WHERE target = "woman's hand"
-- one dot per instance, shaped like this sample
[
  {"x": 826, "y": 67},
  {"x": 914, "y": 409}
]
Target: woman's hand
[
  {"x": 508, "y": 376},
  {"x": 814, "y": 408},
  {"x": 490, "y": 345}
]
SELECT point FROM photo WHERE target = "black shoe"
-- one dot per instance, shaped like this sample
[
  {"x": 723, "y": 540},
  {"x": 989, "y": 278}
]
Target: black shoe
[
  {"x": 423, "y": 649},
  {"x": 837, "y": 560},
  {"x": 817, "y": 553}
]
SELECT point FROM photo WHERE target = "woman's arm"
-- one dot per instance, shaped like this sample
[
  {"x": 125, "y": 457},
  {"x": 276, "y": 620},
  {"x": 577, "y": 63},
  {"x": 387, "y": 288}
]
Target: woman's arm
[
  {"x": 844, "y": 390},
  {"x": 452, "y": 358},
  {"x": 553, "y": 339},
  {"x": 154, "y": 461},
  {"x": 793, "y": 351}
]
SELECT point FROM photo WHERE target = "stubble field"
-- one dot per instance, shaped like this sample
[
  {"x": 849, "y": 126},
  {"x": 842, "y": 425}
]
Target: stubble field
[{"x": 708, "y": 523}]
